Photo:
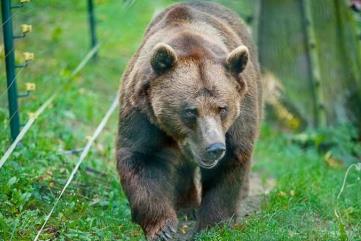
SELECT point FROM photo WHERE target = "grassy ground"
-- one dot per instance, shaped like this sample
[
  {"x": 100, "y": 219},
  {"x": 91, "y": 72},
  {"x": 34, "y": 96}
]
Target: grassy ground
[{"x": 301, "y": 207}]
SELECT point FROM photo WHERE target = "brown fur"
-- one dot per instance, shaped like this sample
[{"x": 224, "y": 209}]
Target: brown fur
[{"x": 156, "y": 173}]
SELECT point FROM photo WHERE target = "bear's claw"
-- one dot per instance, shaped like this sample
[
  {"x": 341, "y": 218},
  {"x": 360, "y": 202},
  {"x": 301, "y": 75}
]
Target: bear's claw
[{"x": 166, "y": 233}]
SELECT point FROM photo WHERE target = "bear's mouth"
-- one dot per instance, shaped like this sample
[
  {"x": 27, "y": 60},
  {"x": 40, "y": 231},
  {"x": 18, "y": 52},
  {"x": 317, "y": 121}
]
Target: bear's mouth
[{"x": 207, "y": 164}]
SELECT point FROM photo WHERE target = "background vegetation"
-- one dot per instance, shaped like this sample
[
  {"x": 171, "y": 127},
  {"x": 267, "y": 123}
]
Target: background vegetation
[{"x": 307, "y": 167}]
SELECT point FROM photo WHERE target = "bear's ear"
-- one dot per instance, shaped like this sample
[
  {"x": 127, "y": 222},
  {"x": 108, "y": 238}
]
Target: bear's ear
[
  {"x": 163, "y": 58},
  {"x": 237, "y": 60}
]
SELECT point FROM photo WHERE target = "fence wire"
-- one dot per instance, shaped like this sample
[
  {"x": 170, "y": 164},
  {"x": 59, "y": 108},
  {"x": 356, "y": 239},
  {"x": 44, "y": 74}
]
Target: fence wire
[
  {"x": 80, "y": 160},
  {"x": 42, "y": 108}
]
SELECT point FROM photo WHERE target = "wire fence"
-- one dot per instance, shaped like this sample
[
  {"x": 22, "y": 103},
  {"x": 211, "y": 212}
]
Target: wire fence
[
  {"x": 44, "y": 106},
  {"x": 83, "y": 154},
  {"x": 35, "y": 115},
  {"x": 11, "y": 66}
]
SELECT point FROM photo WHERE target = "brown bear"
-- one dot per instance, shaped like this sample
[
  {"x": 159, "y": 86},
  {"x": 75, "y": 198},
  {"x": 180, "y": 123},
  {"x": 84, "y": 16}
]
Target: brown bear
[{"x": 190, "y": 109}]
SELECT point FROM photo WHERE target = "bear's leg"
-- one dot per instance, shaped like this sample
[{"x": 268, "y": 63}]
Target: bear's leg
[
  {"x": 223, "y": 189},
  {"x": 188, "y": 189},
  {"x": 149, "y": 186}
]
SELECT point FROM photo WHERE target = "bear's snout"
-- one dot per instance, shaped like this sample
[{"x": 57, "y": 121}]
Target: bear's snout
[
  {"x": 213, "y": 154},
  {"x": 215, "y": 151}
]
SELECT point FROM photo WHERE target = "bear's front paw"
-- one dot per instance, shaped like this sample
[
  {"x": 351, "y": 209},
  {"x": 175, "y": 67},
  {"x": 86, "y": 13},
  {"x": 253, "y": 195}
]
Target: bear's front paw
[{"x": 164, "y": 232}]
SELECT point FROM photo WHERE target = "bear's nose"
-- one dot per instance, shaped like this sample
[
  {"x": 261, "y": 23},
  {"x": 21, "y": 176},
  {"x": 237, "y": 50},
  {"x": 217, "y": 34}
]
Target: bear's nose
[{"x": 215, "y": 151}]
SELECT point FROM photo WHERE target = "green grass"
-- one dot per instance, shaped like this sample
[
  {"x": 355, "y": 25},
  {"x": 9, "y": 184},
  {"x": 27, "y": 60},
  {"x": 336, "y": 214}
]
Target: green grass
[{"x": 301, "y": 207}]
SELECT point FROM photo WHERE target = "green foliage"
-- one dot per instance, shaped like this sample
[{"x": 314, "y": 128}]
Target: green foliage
[{"x": 340, "y": 142}]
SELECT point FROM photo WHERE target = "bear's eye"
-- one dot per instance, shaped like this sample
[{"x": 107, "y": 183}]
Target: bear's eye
[
  {"x": 223, "y": 111},
  {"x": 190, "y": 112}
]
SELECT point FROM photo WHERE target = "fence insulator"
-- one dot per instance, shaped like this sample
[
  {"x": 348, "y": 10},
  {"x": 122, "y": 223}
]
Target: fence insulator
[
  {"x": 28, "y": 56},
  {"x": 26, "y": 28},
  {"x": 20, "y": 4},
  {"x": 30, "y": 86}
]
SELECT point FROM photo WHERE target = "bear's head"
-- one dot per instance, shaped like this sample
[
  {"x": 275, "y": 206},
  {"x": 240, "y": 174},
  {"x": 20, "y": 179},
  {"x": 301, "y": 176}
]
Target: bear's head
[{"x": 195, "y": 96}]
